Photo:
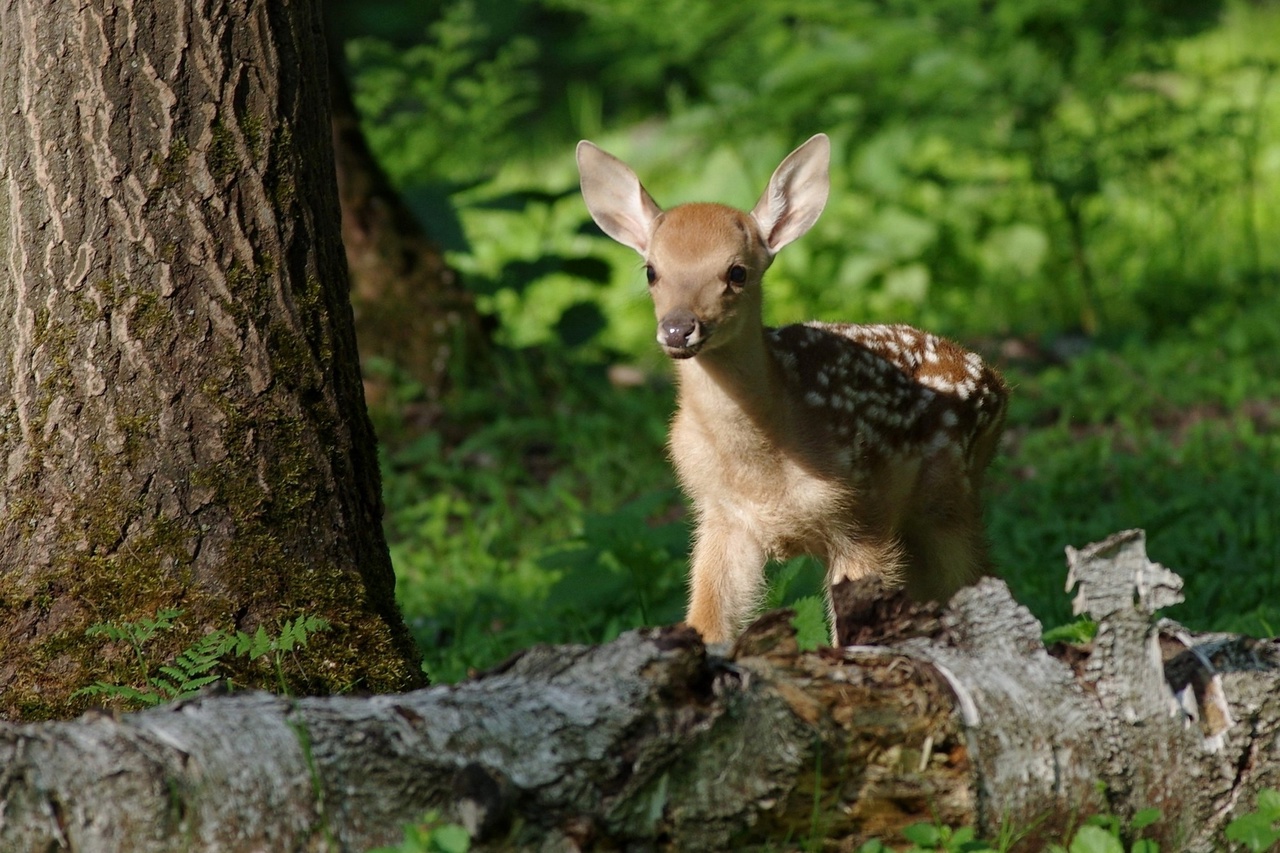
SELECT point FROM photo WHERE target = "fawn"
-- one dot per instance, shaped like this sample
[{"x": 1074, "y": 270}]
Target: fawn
[{"x": 863, "y": 445}]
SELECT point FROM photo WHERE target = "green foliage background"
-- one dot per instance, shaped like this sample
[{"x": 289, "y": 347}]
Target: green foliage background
[{"x": 1087, "y": 191}]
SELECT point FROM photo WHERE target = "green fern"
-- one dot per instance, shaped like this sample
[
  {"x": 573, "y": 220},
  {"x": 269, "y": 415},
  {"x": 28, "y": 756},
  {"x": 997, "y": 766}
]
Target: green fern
[
  {"x": 136, "y": 634},
  {"x": 294, "y": 633},
  {"x": 193, "y": 669},
  {"x": 197, "y": 666},
  {"x": 145, "y": 698},
  {"x": 810, "y": 622}
]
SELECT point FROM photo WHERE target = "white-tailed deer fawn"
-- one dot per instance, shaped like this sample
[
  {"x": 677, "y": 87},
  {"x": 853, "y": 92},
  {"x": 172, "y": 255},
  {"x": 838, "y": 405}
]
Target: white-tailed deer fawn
[{"x": 861, "y": 445}]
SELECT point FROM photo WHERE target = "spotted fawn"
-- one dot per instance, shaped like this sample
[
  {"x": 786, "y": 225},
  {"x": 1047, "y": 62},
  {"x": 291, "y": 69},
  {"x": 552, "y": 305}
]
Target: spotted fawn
[{"x": 862, "y": 445}]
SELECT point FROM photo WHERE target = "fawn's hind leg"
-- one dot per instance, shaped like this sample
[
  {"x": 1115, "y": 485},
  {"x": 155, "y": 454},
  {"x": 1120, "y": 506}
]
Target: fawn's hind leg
[
  {"x": 946, "y": 546},
  {"x": 851, "y": 561}
]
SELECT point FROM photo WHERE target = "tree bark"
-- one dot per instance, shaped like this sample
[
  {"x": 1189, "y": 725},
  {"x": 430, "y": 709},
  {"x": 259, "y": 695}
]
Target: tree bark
[
  {"x": 181, "y": 416},
  {"x": 653, "y": 741}
]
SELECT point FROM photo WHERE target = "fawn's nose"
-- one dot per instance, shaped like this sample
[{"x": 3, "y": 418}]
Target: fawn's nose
[{"x": 679, "y": 330}]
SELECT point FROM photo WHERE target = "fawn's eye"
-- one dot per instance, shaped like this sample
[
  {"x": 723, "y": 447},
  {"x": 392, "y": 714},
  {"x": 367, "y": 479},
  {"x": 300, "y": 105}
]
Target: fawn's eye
[
  {"x": 737, "y": 274},
  {"x": 649, "y": 273}
]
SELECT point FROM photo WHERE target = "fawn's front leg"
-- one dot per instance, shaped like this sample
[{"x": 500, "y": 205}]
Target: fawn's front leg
[{"x": 725, "y": 580}]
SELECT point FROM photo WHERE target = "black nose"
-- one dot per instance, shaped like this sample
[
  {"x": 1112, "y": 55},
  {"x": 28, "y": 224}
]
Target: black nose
[{"x": 679, "y": 329}]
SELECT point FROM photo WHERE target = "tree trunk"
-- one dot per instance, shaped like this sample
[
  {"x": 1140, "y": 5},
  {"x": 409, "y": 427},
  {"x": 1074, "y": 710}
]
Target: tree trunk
[
  {"x": 410, "y": 306},
  {"x": 653, "y": 742},
  {"x": 181, "y": 415}
]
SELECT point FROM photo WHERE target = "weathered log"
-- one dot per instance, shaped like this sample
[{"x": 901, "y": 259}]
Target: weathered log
[{"x": 655, "y": 742}]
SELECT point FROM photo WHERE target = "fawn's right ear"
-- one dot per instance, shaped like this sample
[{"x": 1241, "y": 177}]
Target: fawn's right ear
[{"x": 614, "y": 197}]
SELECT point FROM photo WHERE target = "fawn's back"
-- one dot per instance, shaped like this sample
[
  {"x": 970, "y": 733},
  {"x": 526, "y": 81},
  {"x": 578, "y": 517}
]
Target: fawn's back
[{"x": 861, "y": 445}]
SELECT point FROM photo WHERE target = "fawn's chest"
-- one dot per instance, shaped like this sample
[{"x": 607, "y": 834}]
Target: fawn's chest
[{"x": 776, "y": 480}]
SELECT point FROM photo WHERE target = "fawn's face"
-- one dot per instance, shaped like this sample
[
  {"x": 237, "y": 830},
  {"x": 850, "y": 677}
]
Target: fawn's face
[{"x": 704, "y": 264}]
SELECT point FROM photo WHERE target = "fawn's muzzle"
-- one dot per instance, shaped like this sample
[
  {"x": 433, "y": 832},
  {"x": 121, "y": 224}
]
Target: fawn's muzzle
[{"x": 680, "y": 333}]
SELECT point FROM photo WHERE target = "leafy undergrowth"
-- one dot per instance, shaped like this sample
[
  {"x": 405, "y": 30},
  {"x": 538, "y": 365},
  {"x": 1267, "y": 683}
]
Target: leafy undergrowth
[
  {"x": 486, "y": 512},
  {"x": 1179, "y": 437},
  {"x": 1254, "y": 831},
  {"x": 542, "y": 507}
]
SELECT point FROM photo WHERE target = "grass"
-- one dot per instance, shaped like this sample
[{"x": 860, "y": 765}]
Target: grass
[
  {"x": 542, "y": 508},
  {"x": 1177, "y": 436},
  {"x": 486, "y": 509}
]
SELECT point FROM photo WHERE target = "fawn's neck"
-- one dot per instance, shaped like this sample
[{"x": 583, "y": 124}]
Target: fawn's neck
[{"x": 723, "y": 384}]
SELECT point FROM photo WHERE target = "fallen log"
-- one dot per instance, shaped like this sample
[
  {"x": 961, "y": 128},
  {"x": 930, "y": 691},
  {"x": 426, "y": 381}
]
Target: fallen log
[{"x": 957, "y": 715}]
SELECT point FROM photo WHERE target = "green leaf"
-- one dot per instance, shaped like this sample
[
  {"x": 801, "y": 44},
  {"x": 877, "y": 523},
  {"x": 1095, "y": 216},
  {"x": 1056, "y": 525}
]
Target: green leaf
[
  {"x": 261, "y": 643},
  {"x": 1095, "y": 839},
  {"x": 1144, "y": 845},
  {"x": 177, "y": 674},
  {"x": 1144, "y": 818},
  {"x": 286, "y": 640},
  {"x": 593, "y": 269},
  {"x": 100, "y": 628},
  {"x": 810, "y": 622},
  {"x": 148, "y": 698},
  {"x": 98, "y": 688},
  {"x": 795, "y": 579},
  {"x": 297, "y": 632},
  {"x": 1269, "y": 803},
  {"x": 1253, "y": 830},
  {"x": 923, "y": 834},
  {"x": 165, "y": 689},
  {"x": 313, "y": 625},
  {"x": 450, "y": 838},
  {"x": 1080, "y": 631},
  {"x": 194, "y": 685},
  {"x": 197, "y": 663}
]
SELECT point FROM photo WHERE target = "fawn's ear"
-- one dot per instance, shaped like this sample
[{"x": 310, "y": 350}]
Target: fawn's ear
[
  {"x": 796, "y": 194},
  {"x": 614, "y": 197}
]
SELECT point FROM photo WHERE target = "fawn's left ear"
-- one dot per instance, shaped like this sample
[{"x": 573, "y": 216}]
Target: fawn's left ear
[
  {"x": 615, "y": 199},
  {"x": 796, "y": 194}
]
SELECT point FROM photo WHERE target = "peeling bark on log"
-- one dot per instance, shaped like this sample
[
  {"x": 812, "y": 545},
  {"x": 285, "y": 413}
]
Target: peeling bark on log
[{"x": 653, "y": 741}]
